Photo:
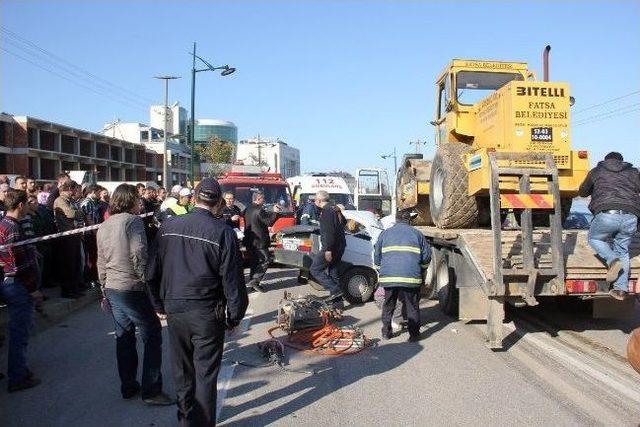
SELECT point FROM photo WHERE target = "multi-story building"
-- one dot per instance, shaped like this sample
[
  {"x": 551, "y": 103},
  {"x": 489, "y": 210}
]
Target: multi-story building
[
  {"x": 271, "y": 153},
  {"x": 176, "y": 119},
  {"x": 43, "y": 149},
  {"x": 205, "y": 129},
  {"x": 178, "y": 153}
]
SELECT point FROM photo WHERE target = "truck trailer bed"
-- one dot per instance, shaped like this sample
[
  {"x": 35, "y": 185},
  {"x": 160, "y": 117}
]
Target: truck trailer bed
[{"x": 580, "y": 261}]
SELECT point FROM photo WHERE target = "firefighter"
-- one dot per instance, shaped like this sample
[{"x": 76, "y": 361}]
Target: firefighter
[{"x": 400, "y": 255}]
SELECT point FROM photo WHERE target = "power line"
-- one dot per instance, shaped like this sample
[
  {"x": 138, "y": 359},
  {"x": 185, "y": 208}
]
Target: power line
[
  {"x": 608, "y": 117},
  {"x": 71, "y": 67},
  {"x": 606, "y": 102},
  {"x": 70, "y": 72},
  {"x": 606, "y": 113},
  {"x": 121, "y": 101}
]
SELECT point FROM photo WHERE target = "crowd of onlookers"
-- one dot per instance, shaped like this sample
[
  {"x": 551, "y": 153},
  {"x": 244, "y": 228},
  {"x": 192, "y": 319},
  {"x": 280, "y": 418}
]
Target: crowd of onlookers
[{"x": 69, "y": 262}]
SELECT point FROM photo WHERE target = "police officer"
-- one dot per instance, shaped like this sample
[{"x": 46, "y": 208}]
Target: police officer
[
  {"x": 400, "y": 255},
  {"x": 325, "y": 264},
  {"x": 197, "y": 280},
  {"x": 256, "y": 237},
  {"x": 230, "y": 211}
]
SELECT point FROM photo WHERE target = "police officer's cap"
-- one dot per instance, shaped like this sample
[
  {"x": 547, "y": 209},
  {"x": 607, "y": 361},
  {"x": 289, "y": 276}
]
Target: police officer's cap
[{"x": 208, "y": 190}]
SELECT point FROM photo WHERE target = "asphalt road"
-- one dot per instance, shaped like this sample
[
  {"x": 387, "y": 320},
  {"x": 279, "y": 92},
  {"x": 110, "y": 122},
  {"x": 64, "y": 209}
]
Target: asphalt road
[{"x": 449, "y": 377}]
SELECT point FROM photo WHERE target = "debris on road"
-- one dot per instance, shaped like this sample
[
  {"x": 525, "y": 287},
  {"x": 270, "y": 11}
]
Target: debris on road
[{"x": 308, "y": 322}]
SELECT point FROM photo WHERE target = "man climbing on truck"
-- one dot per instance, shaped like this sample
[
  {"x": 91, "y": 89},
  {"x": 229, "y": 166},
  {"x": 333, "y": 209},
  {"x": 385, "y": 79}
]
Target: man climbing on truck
[{"x": 614, "y": 187}]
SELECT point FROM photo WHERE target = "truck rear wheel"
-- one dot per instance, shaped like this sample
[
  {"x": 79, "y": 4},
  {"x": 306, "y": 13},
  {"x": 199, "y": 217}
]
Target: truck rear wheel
[
  {"x": 446, "y": 288},
  {"x": 449, "y": 200}
]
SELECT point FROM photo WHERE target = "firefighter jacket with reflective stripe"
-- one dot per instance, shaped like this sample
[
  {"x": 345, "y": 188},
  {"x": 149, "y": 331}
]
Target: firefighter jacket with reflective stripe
[{"x": 400, "y": 255}]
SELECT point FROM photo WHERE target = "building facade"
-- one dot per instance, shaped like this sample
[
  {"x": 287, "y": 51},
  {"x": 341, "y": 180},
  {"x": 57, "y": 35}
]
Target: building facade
[
  {"x": 177, "y": 120},
  {"x": 42, "y": 149},
  {"x": 205, "y": 129},
  {"x": 270, "y": 153},
  {"x": 178, "y": 153}
]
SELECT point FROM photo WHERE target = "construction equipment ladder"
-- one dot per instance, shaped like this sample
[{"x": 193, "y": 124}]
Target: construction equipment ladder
[{"x": 526, "y": 202}]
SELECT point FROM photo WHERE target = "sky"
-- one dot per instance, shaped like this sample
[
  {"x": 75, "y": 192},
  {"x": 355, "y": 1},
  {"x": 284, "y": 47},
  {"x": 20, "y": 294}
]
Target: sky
[{"x": 343, "y": 81}]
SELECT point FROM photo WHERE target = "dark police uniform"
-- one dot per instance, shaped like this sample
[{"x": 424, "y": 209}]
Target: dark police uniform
[
  {"x": 230, "y": 211},
  {"x": 400, "y": 255},
  {"x": 197, "y": 279}
]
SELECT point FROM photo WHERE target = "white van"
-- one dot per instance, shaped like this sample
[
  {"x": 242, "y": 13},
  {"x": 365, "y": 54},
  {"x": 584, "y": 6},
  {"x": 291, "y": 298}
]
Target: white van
[{"x": 305, "y": 186}]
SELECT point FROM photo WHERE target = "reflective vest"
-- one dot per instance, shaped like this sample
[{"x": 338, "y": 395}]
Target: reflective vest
[{"x": 400, "y": 255}]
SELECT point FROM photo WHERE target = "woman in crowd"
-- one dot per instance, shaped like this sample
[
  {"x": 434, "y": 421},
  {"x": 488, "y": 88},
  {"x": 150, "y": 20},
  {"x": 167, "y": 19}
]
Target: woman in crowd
[{"x": 122, "y": 259}]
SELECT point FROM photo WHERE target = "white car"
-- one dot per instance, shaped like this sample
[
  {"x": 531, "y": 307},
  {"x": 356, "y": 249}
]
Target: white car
[{"x": 358, "y": 279}]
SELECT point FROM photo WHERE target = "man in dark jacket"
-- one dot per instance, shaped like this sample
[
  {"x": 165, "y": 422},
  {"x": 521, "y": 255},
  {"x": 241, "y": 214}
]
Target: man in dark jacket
[
  {"x": 196, "y": 279},
  {"x": 230, "y": 211},
  {"x": 614, "y": 187},
  {"x": 256, "y": 237},
  {"x": 55, "y": 193},
  {"x": 324, "y": 267}
]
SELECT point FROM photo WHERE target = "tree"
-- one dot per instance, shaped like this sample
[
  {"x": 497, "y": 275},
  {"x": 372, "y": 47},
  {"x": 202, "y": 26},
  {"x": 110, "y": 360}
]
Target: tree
[{"x": 217, "y": 153}]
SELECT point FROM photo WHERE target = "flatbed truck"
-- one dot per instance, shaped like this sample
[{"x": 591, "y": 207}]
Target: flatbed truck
[{"x": 475, "y": 272}]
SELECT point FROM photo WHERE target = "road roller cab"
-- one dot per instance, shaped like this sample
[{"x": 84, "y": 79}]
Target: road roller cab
[{"x": 490, "y": 106}]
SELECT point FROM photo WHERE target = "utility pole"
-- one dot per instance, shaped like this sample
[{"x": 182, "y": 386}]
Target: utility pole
[
  {"x": 417, "y": 143},
  {"x": 192, "y": 128},
  {"x": 166, "y": 180}
]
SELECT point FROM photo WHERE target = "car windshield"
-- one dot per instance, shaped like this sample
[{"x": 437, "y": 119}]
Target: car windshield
[
  {"x": 337, "y": 198},
  {"x": 273, "y": 194},
  {"x": 474, "y": 86}
]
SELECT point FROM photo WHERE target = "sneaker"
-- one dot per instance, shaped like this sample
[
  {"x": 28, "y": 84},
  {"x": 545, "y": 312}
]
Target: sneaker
[
  {"x": 159, "y": 400},
  {"x": 25, "y": 384},
  {"x": 614, "y": 270},
  {"x": 396, "y": 327},
  {"x": 618, "y": 294}
]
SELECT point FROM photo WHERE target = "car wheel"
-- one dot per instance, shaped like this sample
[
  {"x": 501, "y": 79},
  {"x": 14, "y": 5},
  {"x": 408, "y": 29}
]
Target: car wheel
[{"x": 358, "y": 284}]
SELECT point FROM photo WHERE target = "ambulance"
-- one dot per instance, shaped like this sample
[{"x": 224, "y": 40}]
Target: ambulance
[{"x": 305, "y": 186}]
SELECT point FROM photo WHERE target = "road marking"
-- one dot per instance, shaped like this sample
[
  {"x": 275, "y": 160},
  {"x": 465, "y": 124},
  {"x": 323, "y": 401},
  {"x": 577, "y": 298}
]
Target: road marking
[
  {"x": 595, "y": 373},
  {"x": 226, "y": 370}
]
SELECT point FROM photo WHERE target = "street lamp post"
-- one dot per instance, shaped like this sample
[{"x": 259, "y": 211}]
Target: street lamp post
[
  {"x": 166, "y": 183},
  {"x": 226, "y": 70},
  {"x": 395, "y": 160},
  {"x": 395, "y": 172}
]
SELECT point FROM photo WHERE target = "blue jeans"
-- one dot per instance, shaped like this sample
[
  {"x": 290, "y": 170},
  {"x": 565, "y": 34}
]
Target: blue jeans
[
  {"x": 131, "y": 309},
  {"x": 20, "y": 305},
  {"x": 620, "y": 228},
  {"x": 325, "y": 273}
]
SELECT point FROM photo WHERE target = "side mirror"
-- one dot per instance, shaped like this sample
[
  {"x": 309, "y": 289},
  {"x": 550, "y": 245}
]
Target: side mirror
[
  {"x": 433, "y": 123},
  {"x": 572, "y": 101}
]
